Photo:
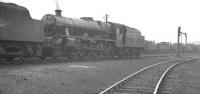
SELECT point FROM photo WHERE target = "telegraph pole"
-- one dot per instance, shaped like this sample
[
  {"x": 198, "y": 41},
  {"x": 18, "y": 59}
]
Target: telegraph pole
[
  {"x": 107, "y": 16},
  {"x": 178, "y": 44}
]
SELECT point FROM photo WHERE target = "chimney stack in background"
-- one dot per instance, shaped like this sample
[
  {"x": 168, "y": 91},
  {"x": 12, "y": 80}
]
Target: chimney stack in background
[{"x": 58, "y": 12}]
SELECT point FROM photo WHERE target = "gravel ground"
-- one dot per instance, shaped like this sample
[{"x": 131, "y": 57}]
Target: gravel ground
[{"x": 68, "y": 78}]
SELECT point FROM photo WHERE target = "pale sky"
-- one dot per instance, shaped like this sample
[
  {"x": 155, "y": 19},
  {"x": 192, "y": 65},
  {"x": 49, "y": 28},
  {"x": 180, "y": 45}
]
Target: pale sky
[{"x": 157, "y": 19}]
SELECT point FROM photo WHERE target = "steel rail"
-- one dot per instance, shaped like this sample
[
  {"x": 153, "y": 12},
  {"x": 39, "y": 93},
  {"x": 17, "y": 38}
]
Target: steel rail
[
  {"x": 109, "y": 89},
  {"x": 71, "y": 60},
  {"x": 165, "y": 73}
]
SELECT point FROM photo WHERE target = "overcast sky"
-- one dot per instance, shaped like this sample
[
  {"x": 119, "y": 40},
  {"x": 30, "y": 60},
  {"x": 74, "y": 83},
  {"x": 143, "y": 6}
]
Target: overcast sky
[{"x": 157, "y": 19}]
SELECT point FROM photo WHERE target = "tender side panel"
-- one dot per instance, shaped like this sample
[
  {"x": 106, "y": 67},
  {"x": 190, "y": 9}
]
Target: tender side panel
[
  {"x": 17, "y": 25},
  {"x": 38, "y": 31},
  {"x": 134, "y": 38}
]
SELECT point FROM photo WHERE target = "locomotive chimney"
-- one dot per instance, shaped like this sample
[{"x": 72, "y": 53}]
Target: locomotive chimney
[{"x": 58, "y": 12}]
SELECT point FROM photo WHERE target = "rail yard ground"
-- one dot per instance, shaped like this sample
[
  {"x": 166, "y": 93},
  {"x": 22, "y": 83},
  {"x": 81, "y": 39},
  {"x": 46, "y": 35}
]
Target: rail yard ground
[
  {"x": 69, "y": 78},
  {"x": 185, "y": 79}
]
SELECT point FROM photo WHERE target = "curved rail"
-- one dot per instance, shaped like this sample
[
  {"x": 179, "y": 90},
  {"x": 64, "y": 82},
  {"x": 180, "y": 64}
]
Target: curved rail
[
  {"x": 164, "y": 74},
  {"x": 161, "y": 78},
  {"x": 109, "y": 89}
]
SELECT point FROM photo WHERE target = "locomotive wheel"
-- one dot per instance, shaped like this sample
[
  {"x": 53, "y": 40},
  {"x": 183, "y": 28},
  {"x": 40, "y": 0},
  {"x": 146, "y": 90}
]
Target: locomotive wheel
[
  {"x": 121, "y": 52},
  {"x": 109, "y": 52},
  {"x": 42, "y": 57},
  {"x": 83, "y": 51},
  {"x": 130, "y": 52},
  {"x": 99, "y": 52},
  {"x": 94, "y": 54},
  {"x": 1, "y": 58},
  {"x": 90, "y": 54},
  {"x": 9, "y": 58},
  {"x": 137, "y": 53},
  {"x": 101, "y": 55},
  {"x": 126, "y": 50},
  {"x": 38, "y": 53},
  {"x": 106, "y": 53},
  {"x": 112, "y": 52},
  {"x": 57, "y": 52},
  {"x": 73, "y": 54},
  {"x": 47, "y": 52}
]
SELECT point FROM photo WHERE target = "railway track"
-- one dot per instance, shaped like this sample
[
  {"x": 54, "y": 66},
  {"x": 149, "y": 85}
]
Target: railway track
[
  {"x": 148, "y": 80},
  {"x": 35, "y": 60}
]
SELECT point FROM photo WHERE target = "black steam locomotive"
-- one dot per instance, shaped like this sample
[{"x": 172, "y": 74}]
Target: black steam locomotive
[{"x": 56, "y": 36}]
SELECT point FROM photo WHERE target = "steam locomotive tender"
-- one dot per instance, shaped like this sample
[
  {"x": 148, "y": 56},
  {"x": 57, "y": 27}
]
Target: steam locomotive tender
[{"x": 20, "y": 35}]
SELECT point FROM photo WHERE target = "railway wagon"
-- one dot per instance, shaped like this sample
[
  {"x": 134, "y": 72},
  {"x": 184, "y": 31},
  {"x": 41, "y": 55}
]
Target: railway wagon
[
  {"x": 20, "y": 35},
  {"x": 87, "y": 38}
]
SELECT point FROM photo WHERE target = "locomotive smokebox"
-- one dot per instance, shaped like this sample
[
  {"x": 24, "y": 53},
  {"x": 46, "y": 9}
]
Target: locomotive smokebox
[{"x": 58, "y": 12}]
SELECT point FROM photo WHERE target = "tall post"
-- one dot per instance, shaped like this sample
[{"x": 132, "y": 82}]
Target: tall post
[
  {"x": 178, "y": 44},
  {"x": 106, "y": 18}
]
